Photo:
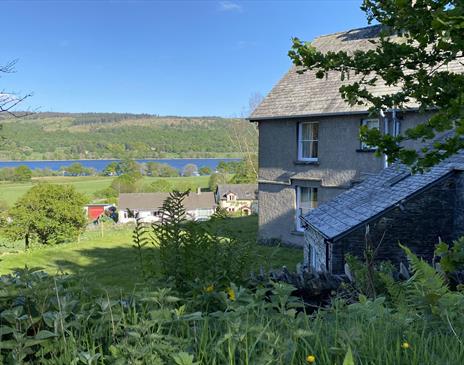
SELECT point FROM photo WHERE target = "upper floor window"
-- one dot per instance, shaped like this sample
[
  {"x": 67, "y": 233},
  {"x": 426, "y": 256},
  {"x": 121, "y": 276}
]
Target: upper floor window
[
  {"x": 306, "y": 199},
  {"x": 308, "y": 139},
  {"x": 371, "y": 124}
]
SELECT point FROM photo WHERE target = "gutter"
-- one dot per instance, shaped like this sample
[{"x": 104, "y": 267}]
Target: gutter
[
  {"x": 257, "y": 119},
  {"x": 273, "y": 182}
]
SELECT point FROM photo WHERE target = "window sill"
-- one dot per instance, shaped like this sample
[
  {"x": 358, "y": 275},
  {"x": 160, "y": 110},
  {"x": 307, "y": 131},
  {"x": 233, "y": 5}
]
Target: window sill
[
  {"x": 297, "y": 233},
  {"x": 302, "y": 162},
  {"x": 364, "y": 150}
]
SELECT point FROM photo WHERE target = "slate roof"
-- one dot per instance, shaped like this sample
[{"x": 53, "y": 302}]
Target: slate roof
[
  {"x": 375, "y": 195},
  {"x": 154, "y": 201},
  {"x": 242, "y": 191},
  {"x": 297, "y": 95}
]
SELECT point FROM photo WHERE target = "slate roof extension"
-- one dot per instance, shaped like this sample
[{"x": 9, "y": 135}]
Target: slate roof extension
[{"x": 375, "y": 195}]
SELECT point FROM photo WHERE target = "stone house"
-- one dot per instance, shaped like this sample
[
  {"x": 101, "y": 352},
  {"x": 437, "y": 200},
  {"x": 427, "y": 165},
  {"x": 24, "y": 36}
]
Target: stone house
[
  {"x": 238, "y": 198},
  {"x": 199, "y": 206},
  {"x": 394, "y": 207},
  {"x": 309, "y": 145}
]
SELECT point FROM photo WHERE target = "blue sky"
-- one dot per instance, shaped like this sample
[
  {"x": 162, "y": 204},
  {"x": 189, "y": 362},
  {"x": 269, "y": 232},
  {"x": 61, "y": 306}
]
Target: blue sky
[{"x": 170, "y": 58}]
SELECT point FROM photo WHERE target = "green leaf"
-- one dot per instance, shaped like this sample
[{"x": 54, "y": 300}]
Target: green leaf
[
  {"x": 5, "y": 330},
  {"x": 44, "y": 334},
  {"x": 184, "y": 358},
  {"x": 349, "y": 360}
]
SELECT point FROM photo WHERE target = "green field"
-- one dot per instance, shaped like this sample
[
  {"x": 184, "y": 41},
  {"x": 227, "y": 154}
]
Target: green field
[
  {"x": 10, "y": 192},
  {"x": 111, "y": 261}
]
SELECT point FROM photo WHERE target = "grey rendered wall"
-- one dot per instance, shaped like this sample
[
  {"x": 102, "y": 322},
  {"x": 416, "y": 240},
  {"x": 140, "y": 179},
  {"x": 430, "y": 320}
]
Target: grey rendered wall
[
  {"x": 277, "y": 214},
  {"x": 418, "y": 225},
  {"x": 340, "y": 162},
  {"x": 277, "y": 210}
]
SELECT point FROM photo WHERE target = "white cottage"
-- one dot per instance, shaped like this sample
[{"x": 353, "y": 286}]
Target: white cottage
[{"x": 199, "y": 206}]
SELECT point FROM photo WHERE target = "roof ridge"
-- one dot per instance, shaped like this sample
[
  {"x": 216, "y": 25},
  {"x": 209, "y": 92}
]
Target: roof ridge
[{"x": 346, "y": 31}]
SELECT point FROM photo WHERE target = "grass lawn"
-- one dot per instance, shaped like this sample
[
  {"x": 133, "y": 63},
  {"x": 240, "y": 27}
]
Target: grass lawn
[
  {"x": 110, "y": 260},
  {"x": 10, "y": 192}
]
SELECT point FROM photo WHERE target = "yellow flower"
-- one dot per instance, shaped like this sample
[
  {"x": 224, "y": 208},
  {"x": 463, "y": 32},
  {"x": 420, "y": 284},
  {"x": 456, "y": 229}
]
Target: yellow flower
[
  {"x": 310, "y": 359},
  {"x": 405, "y": 345},
  {"x": 230, "y": 294},
  {"x": 209, "y": 289}
]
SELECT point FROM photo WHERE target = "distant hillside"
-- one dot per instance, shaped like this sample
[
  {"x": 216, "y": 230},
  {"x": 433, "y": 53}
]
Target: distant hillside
[{"x": 56, "y": 136}]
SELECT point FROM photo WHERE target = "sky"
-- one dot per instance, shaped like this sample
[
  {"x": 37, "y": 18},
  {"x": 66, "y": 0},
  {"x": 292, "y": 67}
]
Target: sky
[{"x": 188, "y": 58}]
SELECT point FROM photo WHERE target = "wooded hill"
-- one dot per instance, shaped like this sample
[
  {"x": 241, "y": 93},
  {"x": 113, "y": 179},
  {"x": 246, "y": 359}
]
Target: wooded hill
[{"x": 57, "y": 136}]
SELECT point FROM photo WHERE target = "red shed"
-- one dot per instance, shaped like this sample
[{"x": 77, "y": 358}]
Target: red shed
[{"x": 96, "y": 210}]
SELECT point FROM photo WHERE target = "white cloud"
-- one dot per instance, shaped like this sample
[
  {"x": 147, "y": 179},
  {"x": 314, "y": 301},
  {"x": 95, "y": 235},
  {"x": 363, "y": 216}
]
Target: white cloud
[{"x": 229, "y": 6}]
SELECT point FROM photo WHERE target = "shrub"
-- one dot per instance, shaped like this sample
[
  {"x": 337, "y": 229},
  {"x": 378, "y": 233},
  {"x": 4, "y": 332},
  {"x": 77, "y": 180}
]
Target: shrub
[{"x": 191, "y": 253}]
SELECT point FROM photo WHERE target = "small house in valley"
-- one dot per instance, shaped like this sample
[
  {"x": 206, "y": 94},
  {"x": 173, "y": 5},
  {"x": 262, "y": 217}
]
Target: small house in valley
[
  {"x": 238, "y": 198},
  {"x": 147, "y": 206},
  {"x": 388, "y": 208}
]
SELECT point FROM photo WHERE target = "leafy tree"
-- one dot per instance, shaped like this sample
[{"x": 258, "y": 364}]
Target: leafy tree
[
  {"x": 420, "y": 39},
  {"x": 126, "y": 183},
  {"x": 229, "y": 167},
  {"x": 190, "y": 170},
  {"x": 111, "y": 169},
  {"x": 75, "y": 169},
  {"x": 22, "y": 174},
  {"x": 158, "y": 169},
  {"x": 19, "y": 174},
  {"x": 129, "y": 167},
  {"x": 217, "y": 179},
  {"x": 50, "y": 213},
  {"x": 246, "y": 171},
  {"x": 205, "y": 170}
]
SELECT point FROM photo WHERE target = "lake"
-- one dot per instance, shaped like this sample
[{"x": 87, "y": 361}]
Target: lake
[{"x": 99, "y": 165}]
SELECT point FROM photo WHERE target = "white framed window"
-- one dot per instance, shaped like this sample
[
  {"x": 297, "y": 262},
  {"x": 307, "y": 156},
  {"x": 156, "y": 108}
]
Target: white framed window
[
  {"x": 371, "y": 124},
  {"x": 231, "y": 197},
  {"x": 308, "y": 140},
  {"x": 306, "y": 200}
]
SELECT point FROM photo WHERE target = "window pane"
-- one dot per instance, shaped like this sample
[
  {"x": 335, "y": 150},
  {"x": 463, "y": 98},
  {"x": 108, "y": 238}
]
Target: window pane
[
  {"x": 371, "y": 124},
  {"x": 315, "y": 131},
  {"x": 314, "y": 149},
  {"x": 306, "y": 132},
  {"x": 305, "y": 149},
  {"x": 308, "y": 199},
  {"x": 314, "y": 198}
]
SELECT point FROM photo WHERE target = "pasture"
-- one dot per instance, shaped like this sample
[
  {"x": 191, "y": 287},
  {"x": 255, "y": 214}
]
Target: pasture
[{"x": 89, "y": 185}]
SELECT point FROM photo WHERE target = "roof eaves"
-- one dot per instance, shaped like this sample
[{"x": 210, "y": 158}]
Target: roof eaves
[{"x": 254, "y": 119}]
